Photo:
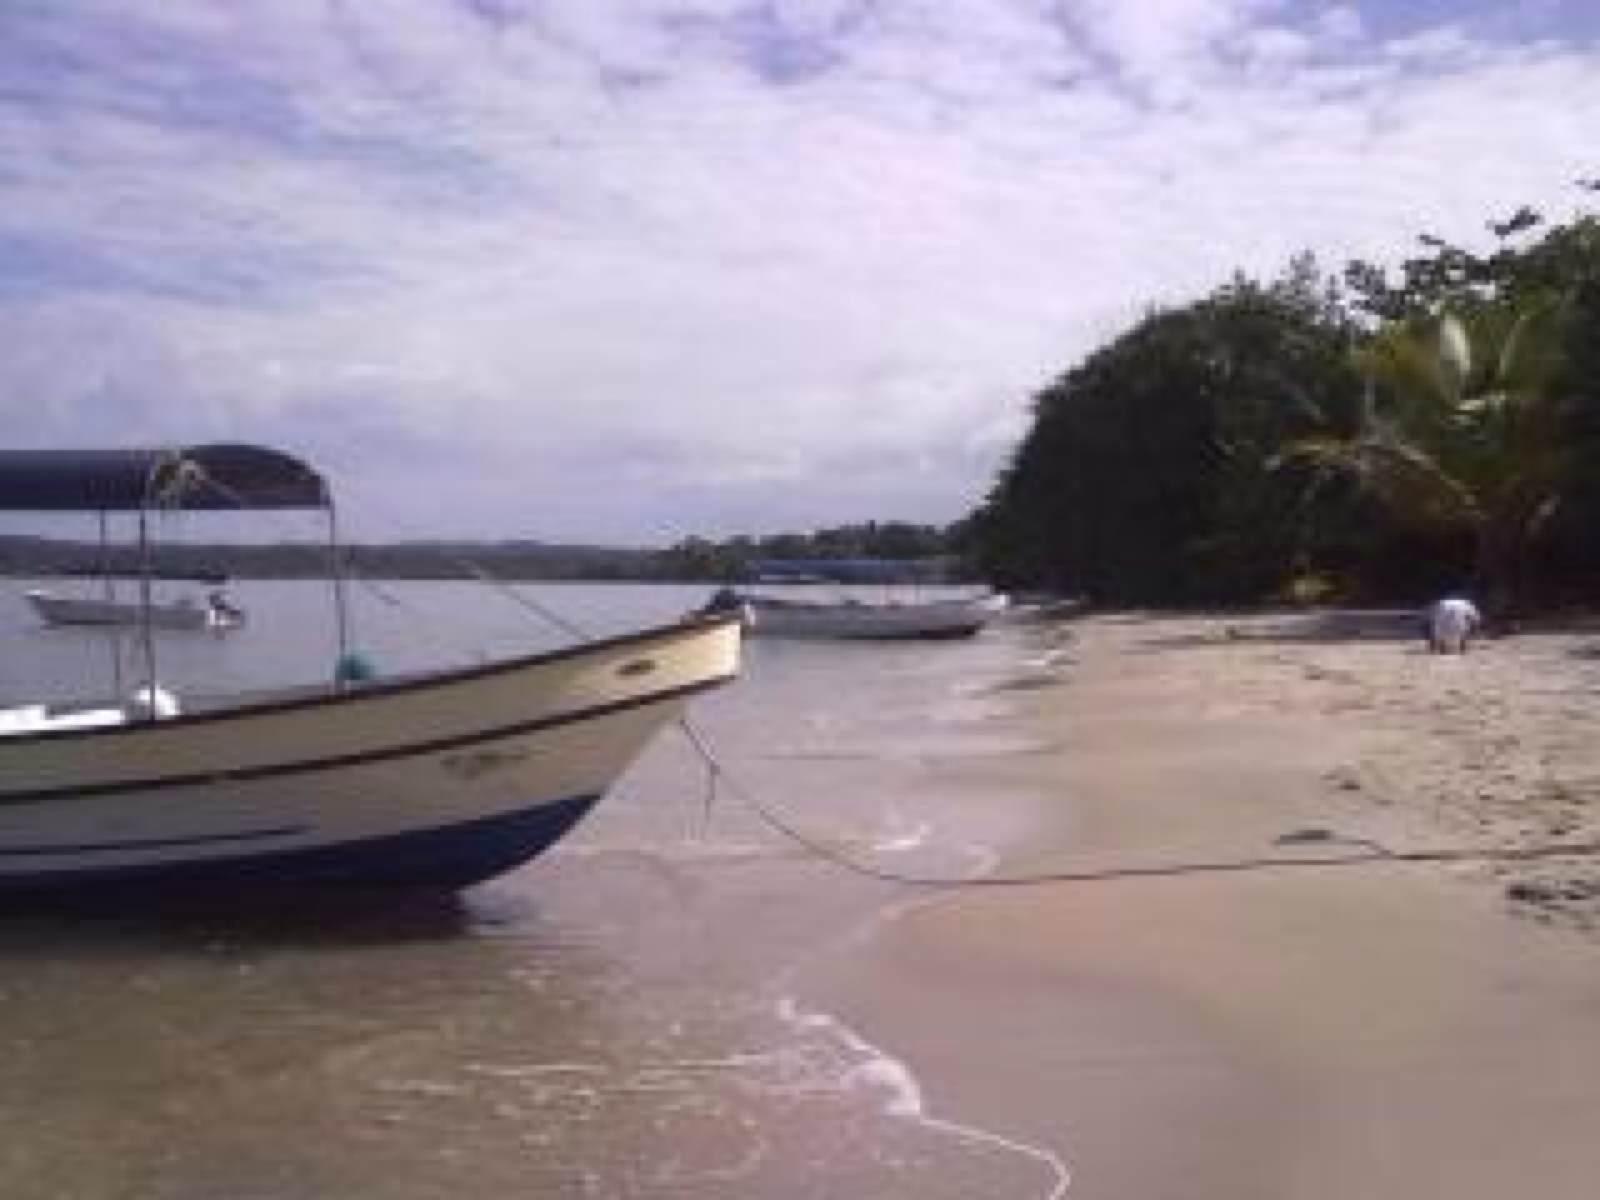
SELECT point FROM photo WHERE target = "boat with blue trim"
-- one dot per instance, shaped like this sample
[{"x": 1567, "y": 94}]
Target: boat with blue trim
[{"x": 438, "y": 779}]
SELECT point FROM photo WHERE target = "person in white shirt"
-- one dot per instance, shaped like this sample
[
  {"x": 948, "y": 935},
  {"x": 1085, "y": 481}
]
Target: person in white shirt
[{"x": 1451, "y": 623}]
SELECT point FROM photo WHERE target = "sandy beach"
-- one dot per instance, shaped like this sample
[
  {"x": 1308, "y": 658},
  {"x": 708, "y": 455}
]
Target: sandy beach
[{"x": 1403, "y": 1030}]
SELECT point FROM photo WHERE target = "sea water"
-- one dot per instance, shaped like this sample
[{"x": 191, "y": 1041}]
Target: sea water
[{"x": 627, "y": 1016}]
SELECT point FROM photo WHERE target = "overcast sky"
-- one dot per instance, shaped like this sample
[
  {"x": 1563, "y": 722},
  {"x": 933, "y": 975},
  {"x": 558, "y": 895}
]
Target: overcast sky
[{"x": 623, "y": 271}]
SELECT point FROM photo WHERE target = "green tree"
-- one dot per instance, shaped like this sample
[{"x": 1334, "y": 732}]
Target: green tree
[
  {"x": 1216, "y": 449},
  {"x": 1464, "y": 428},
  {"x": 1144, "y": 477}
]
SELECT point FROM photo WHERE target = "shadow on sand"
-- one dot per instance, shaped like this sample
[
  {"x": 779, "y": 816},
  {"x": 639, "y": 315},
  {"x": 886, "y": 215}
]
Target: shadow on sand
[{"x": 198, "y": 923}]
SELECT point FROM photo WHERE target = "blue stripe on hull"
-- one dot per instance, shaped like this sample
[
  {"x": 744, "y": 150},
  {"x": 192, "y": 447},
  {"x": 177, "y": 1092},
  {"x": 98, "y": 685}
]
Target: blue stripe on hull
[{"x": 452, "y": 856}]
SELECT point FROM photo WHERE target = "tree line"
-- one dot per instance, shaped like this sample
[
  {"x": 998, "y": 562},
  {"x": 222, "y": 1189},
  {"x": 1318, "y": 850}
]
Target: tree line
[
  {"x": 740, "y": 557},
  {"x": 1373, "y": 435},
  {"x": 928, "y": 551}
]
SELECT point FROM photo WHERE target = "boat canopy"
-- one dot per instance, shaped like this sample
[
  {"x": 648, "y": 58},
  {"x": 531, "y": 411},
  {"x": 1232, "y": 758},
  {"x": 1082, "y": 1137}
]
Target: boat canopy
[{"x": 216, "y": 477}]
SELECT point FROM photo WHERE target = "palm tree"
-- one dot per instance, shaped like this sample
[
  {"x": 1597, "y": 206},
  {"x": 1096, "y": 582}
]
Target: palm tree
[{"x": 1462, "y": 429}]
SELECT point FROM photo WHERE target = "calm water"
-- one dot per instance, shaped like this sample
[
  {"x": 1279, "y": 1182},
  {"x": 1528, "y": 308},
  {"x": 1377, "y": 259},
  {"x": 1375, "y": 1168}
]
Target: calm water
[{"x": 625, "y": 1017}]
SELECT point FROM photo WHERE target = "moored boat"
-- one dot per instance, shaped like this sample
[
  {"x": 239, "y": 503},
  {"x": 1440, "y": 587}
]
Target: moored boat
[
  {"x": 181, "y": 614},
  {"x": 772, "y": 616},
  {"x": 435, "y": 779}
]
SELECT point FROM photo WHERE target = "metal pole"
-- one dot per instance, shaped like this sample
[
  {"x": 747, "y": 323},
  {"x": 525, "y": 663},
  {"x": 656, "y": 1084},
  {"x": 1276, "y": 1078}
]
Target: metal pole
[
  {"x": 341, "y": 609},
  {"x": 110, "y": 588},
  {"x": 145, "y": 600}
]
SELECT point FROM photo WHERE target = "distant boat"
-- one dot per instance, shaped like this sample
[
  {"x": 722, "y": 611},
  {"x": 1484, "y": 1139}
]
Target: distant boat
[
  {"x": 1045, "y": 607},
  {"x": 771, "y": 616},
  {"x": 788, "y": 577},
  {"x": 437, "y": 779},
  {"x": 184, "y": 613}
]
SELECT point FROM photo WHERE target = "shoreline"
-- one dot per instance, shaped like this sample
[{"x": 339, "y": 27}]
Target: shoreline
[{"x": 1380, "y": 1030}]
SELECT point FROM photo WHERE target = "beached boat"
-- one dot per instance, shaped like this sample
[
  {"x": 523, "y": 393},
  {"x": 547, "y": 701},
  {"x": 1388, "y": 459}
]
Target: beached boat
[
  {"x": 436, "y": 779},
  {"x": 181, "y": 614},
  {"x": 773, "y": 616},
  {"x": 1043, "y": 607}
]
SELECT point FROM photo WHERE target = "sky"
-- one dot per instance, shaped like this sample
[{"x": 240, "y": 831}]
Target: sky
[{"x": 586, "y": 270}]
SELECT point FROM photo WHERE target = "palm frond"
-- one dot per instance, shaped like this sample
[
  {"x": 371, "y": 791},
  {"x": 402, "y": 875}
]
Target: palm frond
[
  {"x": 1453, "y": 349},
  {"x": 1403, "y": 477},
  {"x": 1532, "y": 354}
]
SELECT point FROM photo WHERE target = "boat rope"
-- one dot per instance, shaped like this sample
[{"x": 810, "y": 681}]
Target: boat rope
[
  {"x": 510, "y": 591},
  {"x": 519, "y": 598},
  {"x": 486, "y": 577},
  {"x": 424, "y": 623},
  {"x": 1364, "y": 852}
]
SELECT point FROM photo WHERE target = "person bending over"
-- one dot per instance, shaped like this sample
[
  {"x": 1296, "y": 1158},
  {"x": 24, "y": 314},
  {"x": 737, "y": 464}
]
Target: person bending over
[{"x": 1451, "y": 625}]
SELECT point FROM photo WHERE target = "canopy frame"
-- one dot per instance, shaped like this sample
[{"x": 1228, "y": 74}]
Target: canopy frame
[{"x": 212, "y": 477}]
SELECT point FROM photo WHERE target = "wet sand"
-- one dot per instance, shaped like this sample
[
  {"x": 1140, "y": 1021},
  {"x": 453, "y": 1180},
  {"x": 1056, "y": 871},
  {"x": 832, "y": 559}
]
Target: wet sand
[{"x": 1332, "y": 1031}]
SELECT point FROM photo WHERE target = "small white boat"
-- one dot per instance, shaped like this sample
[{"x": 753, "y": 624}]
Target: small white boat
[
  {"x": 771, "y": 616},
  {"x": 437, "y": 779},
  {"x": 1043, "y": 608},
  {"x": 183, "y": 613}
]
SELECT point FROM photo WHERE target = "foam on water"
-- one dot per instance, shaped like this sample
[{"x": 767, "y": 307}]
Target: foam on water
[
  {"x": 713, "y": 1119},
  {"x": 911, "y": 839},
  {"x": 865, "y": 1068},
  {"x": 684, "y": 852}
]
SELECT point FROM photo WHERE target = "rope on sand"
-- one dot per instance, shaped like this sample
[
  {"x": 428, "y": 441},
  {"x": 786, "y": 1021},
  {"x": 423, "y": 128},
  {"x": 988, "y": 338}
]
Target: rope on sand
[{"x": 1366, "y": 852}]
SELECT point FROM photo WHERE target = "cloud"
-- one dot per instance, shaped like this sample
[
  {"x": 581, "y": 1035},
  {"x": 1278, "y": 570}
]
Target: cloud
[
  {"x": 1171, "y": 47},
  {"x": 572, "y": 269}
]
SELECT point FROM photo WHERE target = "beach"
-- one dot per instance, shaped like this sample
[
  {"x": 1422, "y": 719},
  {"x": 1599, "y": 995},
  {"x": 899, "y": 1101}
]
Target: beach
[
  {"x": 1077, "y": 909},
  {"x": 1274, "y": 1031}
]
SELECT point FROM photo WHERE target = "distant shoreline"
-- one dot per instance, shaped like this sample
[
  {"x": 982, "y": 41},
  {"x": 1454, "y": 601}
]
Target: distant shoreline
[{"x": 512, "y": 561}]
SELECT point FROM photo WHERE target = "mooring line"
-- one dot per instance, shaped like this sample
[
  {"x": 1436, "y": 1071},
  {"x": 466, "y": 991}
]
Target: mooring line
[{"x": 1369, "y": 852}]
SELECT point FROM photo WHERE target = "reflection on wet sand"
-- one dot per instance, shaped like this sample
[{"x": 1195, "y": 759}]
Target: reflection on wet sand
[
  {"x": 502, "y": 1044},
  {"x": 626, "y": 1017}
]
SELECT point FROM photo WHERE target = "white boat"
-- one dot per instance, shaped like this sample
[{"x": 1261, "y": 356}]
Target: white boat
[
  {"x": 1042, "y": 608},
  {"x": 438, "y": 779},
  {"x": 183, "y": 613},
  {"x": 772, "y": 616}
]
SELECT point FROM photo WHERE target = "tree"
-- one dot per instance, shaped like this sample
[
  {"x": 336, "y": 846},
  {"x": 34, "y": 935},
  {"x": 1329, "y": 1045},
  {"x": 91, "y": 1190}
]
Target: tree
[
  {"x": 1464, "y": 428},
  {"x": 1216, "y": 450},
  {"x": 1144, "y": 477},
  {"x": 1562, "y": 258},
  {"x": 1529, "y": 262}
]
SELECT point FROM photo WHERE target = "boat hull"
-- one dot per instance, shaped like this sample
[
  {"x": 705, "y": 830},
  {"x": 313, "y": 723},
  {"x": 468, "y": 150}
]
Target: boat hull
[
  {"x": 433, "y": 781},
  {"x": 868, "y": 622},
  {"x": 443, "y": 858},
  {"x": 74, "y": 610}
]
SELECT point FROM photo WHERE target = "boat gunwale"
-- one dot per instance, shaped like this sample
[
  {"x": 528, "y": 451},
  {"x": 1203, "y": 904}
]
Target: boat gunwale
[{"x": 380, "y": 689}]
